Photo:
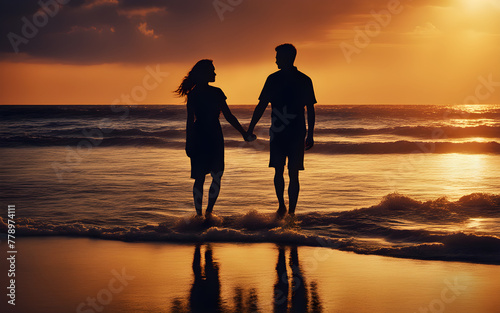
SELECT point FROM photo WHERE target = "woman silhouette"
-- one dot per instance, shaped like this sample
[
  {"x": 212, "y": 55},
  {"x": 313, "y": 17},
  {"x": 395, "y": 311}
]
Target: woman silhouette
[{"x": 204, "y": 139}]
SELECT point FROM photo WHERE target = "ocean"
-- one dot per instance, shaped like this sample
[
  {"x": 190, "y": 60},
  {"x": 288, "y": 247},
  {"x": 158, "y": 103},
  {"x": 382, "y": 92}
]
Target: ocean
[{"x": 410, "y": 181}]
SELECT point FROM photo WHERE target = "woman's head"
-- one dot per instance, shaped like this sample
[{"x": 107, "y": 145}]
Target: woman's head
[{"x": 202, "y": 72}]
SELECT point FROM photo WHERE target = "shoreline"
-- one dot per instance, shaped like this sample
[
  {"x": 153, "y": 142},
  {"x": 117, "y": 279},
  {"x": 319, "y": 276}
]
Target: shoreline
[
  {"x": 58, "y": 274},
  {"x": 318, "y": 242}
]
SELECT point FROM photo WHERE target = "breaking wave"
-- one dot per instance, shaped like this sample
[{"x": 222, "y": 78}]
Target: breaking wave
[{"x": 399, "y": 226}]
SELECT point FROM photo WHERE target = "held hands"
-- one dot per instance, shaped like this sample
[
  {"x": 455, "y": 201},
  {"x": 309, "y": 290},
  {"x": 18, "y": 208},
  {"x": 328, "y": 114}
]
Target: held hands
[{"x": 249, "y": 137}]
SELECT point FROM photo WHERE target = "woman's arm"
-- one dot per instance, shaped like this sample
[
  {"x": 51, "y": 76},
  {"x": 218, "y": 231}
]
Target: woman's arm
[{"x": 233, "y": 120}]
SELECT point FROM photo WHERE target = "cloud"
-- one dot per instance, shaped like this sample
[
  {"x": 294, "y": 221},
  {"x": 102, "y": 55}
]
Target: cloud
[
  {"x": 185, "y": 29},
  {"x": 428, "y": 29},
  {"x": 143, "y": 28},
  {"x": 95, "y": 3},
  {"x": 121, "y": 31},
  {"x": 141, "y": 12}
]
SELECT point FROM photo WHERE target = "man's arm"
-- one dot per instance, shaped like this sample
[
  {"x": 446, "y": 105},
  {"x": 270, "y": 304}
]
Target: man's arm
[
  {"x": 311, "y": 120},
  {"x": 257, "y": 114}
]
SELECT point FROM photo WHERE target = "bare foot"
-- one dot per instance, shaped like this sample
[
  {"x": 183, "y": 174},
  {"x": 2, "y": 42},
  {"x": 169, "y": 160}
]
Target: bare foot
[{"x": 281, "y": 212}]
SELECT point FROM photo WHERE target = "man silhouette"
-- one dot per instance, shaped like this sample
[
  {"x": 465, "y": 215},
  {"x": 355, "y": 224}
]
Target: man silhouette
[{"x": 289, "y": 91}]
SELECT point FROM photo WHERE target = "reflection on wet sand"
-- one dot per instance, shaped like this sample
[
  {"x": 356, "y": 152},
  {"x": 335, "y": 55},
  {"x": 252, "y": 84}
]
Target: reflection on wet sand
[
  {"x": 290, "y": 292},
  {"x": 281, "y": 286},
  {"x": 251, "y": 304},
  {"x": 205, "y": 293},
  {"x": 299, "y": 291}
]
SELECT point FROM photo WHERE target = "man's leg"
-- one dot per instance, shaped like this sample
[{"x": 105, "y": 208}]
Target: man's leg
[
  {"x": 279, "y": 185},
  {"x": 293, "y": 190},
  {"x": 214, "y": 191},
  {"x": 198, "y": 194}
]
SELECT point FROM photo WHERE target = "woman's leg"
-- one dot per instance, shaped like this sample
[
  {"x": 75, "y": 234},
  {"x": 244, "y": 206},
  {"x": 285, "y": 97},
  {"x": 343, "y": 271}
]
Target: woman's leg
[
  {"x": 198, "y": 194},
  {"x": 214, "y": 191}
]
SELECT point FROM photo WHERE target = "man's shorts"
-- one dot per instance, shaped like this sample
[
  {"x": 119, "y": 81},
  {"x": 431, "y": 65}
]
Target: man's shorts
[{"x": 293, "y": 149}]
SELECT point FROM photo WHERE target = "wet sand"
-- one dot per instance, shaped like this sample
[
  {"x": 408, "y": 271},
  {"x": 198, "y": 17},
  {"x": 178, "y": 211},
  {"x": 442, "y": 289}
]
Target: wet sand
[{"x": 56, "y": 274}]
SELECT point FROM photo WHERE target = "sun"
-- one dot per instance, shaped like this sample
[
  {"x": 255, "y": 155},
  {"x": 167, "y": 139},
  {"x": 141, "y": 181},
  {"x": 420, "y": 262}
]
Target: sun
[{"x": 476, "y": 5}]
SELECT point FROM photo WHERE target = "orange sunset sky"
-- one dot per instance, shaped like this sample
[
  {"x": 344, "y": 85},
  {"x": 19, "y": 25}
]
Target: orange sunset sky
[{"x": 355, "y": 51}]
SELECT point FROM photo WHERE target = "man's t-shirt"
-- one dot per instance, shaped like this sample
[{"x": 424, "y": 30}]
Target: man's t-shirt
[{"x": 288, "y": 91}]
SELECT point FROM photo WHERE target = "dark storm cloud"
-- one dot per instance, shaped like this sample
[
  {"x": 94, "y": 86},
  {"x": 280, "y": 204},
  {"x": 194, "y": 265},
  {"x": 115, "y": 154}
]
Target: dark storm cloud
[{"x": 132, "y": 31}]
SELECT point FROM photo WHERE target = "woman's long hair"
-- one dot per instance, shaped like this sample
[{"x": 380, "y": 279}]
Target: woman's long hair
[{"x": 197, "y": 73}]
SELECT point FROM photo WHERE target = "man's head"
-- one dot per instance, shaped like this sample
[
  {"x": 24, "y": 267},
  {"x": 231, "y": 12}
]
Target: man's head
[{"x": 285, "y": 55}]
